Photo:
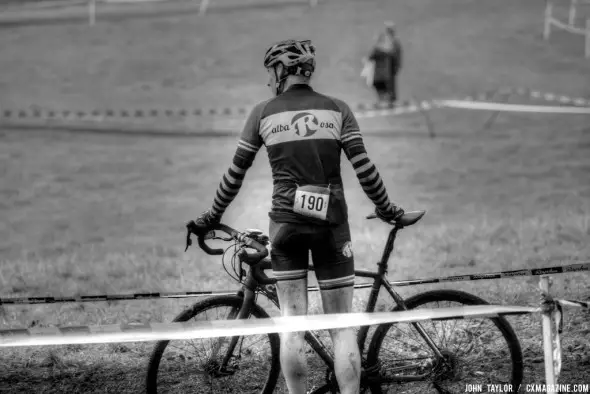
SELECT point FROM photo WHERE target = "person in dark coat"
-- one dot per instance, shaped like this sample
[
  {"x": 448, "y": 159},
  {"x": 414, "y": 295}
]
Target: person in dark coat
[{"x": 387, "y": 58}]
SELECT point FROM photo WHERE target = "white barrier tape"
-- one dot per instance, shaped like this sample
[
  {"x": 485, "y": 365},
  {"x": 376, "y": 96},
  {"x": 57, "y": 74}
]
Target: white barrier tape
[
  {"x": 566, "y": 27},
  {"x": 536, "y": 94},
  {"x": 575, "y": 304},
  {"x": 405, "y": 109},
  {"x": 489, "y": 106},
  {"x": 222, "y": 328}
]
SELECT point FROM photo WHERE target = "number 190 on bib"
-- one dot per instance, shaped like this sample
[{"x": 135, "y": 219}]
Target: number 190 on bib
[{"x": 311, "y": 204}]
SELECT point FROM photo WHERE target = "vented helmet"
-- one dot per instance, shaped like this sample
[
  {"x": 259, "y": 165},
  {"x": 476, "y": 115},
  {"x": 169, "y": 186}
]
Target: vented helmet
[{"x": 297, "y": 57}]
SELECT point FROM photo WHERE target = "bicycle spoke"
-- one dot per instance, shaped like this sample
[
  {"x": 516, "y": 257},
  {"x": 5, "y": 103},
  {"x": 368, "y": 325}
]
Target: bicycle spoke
[
  {"x": 474, "y": 351},
  {"x": 197, "y": 365},
  {"x": 469, "y": 333}
]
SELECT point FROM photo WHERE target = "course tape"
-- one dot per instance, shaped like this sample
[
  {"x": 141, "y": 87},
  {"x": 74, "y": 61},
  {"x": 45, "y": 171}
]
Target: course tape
[
  {"x": 109, "y": 297},
  {"x": 406, "y": 108},
  {"x": 225, "y": 328},
  {"x": 491, "y": 106},
  {"x": 575, "y": 304},
  {"x": 550, "y": 97},
  {"x": 566, "y": 27},
  {"x": 361, "y": 110},
  {"x": 47, "y": 16},
  {"x": 578, "y": 267}
]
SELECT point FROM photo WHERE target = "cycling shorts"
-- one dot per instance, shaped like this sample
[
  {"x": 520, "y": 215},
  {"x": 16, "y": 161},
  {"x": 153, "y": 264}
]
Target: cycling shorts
[{"x": 331, "y": 251}]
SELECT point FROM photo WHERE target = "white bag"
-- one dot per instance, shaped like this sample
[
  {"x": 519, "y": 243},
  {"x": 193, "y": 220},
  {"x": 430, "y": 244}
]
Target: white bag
[{"x": 368, "y": 72}]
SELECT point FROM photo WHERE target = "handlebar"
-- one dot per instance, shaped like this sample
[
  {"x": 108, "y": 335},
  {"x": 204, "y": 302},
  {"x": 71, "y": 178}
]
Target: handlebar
[
  {"x": 248, "y": 239},
  {"x": 202, "y": 236}
]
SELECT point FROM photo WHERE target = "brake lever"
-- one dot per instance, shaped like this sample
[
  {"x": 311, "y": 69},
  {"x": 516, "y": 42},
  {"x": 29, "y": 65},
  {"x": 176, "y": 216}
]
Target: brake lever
[
  {"x": 209, "y": 235},
  {"x": 189, "y": 241}
]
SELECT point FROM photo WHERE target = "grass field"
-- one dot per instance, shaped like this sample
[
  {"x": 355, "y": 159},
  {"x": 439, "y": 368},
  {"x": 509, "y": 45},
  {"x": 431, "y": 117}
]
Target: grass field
[{"x": 94, "y": 214}]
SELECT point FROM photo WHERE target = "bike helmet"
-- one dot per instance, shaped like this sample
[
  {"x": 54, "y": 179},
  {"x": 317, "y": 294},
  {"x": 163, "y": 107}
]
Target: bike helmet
[{"x": 296, "y": 56}]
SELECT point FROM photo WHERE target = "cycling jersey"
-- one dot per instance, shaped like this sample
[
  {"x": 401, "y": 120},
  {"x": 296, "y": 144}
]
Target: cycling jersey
[{"x": 304, "y": 133}]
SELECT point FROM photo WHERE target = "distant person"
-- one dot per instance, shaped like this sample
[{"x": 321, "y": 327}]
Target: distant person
[{"x": 386, "y": 60}]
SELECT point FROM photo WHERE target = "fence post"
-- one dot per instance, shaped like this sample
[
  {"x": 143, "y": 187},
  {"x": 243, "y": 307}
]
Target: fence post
[
  {"x": 203, "y": 7},
  {"x": 587, "y": 40},
  {"x": 548, "y": 16},
  {"x": 488, "y": 123},
  {"x": 91, "y": 12},
  {"x": 572, "y": 15},
  {"x": 548, "y": 339}
]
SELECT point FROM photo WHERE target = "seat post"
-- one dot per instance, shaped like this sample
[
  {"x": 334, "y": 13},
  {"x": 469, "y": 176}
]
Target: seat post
[{"x": 388, "y": 249}]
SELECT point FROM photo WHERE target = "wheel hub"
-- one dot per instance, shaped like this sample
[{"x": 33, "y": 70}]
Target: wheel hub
[
  {"x": 213, "y": 369},
  {"x": 446, "y": 368}
]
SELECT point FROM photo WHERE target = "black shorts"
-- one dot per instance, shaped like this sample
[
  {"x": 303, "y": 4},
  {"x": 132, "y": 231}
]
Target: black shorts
[{"x": 331, "y": 250}]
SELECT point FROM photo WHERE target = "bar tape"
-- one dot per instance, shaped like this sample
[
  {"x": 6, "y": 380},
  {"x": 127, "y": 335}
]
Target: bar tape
[
  {"x": 224, "y": 328},
  {"x": 581, "y": 266}
]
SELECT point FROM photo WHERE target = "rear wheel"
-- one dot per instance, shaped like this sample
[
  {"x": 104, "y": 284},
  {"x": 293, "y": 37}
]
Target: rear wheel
[
  {"x": 475, "y": 351},
  {"x": 196, "y": 365}
]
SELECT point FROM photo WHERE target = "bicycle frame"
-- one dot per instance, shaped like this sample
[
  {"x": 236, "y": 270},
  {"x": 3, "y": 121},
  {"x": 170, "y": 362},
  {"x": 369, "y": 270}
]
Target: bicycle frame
[
  {"x": 251, "y": 286},
  {"x": 379, "y": 280}
]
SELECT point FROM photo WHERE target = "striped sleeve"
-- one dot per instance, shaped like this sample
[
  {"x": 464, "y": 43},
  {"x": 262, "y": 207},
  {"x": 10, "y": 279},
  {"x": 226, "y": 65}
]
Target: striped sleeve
[
  {"x": 366, "y": 172},
  {"x": 231, "y": 182}
]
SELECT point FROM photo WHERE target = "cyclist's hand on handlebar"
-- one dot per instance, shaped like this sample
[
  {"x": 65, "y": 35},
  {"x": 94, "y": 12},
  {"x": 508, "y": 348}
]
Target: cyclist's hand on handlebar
[
  {"x": 391, "y": 214},
  {"x": 204, "y": 222},
  {"x": 200, "y": 227}
]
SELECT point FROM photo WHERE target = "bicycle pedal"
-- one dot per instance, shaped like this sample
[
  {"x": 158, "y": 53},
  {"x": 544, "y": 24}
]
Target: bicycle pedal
[
  {"x": 371, "y": 369},
  {"x": 226, "y": 371}
]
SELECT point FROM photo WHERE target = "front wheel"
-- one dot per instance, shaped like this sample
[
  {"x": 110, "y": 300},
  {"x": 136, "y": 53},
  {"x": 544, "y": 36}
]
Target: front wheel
[
  {"x": 476, "y": 351},
  {"x": 197, "y": 365}
]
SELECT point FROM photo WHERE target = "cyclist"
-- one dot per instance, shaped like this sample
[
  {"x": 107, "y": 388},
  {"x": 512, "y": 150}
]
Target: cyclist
[{"x": 304, "y": 133}]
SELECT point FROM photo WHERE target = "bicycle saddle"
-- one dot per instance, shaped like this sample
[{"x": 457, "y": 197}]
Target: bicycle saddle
[{"x": 409, "y": 218}]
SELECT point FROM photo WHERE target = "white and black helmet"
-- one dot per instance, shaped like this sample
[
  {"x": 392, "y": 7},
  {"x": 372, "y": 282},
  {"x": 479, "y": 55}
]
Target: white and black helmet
[{"x": 296, "y": 56}]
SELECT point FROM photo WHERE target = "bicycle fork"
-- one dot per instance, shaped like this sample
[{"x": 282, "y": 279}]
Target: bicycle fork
[
  {"x": 242, "y": 313},
  {"x": 399, "y": 301},
  {"x": 381, "y": 280}
]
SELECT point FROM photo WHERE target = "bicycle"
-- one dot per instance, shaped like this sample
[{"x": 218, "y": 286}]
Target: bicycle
[{"x": 438, "y": 364}]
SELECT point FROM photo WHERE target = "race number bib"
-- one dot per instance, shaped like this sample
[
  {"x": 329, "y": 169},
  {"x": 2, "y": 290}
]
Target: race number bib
[{"x": 312, "y": 201}]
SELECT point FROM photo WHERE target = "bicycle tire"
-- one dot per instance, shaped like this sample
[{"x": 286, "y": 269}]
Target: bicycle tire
[
  {"x": 460, "y": 297},
  {"x": 232, "y": 301}
]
